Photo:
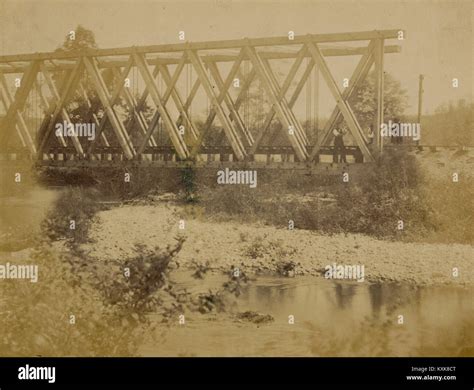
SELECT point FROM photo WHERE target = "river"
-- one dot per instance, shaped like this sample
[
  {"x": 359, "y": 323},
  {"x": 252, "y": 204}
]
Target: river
[{"x": 331, "y": 318}]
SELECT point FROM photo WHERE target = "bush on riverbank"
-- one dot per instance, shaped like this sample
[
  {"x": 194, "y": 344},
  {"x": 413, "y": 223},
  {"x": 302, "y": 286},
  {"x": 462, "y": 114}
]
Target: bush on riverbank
[
  {"x": 72, "y": 215},
  {"x": 389, "y": 202},
  {"x": 61, "y": 315},
  {"x": 452, "y": 205},
  {"x": 390, "y": 192}
]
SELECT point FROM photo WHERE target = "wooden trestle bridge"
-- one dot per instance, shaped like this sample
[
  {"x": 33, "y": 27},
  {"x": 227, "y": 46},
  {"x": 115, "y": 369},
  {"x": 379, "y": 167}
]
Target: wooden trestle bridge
[{"x": 38, "y": 91}]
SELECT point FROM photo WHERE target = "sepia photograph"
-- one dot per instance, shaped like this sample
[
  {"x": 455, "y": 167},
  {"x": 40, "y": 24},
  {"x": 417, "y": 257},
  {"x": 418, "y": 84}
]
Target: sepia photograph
[{"x": 238, "y": 179}]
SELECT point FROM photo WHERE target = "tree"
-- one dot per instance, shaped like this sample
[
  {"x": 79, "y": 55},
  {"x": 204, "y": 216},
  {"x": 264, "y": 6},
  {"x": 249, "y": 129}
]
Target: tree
[
  {"x": 81, "y": 39},
  {"x": 363, "y": 100},
  {"x": 77, "y": 106},
  {"x": 82, "y": 107}
]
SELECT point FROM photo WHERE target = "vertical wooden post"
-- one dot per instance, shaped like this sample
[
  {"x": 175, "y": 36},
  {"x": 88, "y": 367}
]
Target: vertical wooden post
[
  {"x": 379, "y": 88},
  {"x": 316, "y": 101}
]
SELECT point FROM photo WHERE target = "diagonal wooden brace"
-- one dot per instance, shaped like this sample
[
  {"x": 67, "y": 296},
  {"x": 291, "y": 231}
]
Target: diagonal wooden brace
[
  {"x": 283, "y": 116},
  {"x": 234, "y": 113},
  {"x": 68, "y": 87},
  {"x": 342, "y": 104},
  {"x": 173, "y": 132},
  {"x": 229, "y": 129},
  {"x": 21, "y": 127},
  {"x": 360, "y": 73},
  {"x": 104, "y": 97},
  {"x": 64, "y": 113}
]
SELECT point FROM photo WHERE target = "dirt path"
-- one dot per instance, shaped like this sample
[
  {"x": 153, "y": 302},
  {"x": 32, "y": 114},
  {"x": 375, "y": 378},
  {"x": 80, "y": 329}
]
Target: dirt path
[{"x": 256, "y": 249}]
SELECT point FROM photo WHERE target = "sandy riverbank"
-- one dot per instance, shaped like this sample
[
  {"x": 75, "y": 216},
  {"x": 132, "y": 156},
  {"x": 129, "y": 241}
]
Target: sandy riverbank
[{"x": 259, "y": 249}]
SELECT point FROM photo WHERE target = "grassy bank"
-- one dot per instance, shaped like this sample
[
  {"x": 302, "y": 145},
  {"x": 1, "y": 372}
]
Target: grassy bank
[{"x": 395, "y": 201}]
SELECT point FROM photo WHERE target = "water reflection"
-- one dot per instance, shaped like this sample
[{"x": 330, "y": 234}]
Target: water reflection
[
  {"x": 344, "y": 295},
  {"x": 333, "y": 319},
  {"x": 375, "y": 295}
]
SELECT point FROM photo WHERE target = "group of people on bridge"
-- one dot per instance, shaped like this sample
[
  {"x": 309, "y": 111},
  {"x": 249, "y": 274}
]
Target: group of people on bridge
[{"x": 339, "y": 151}]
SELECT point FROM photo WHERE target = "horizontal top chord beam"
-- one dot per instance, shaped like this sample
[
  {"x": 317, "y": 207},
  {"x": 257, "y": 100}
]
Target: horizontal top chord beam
[
  {"x": 209, "y": 45},
  {"x": 269, "y": 55}
]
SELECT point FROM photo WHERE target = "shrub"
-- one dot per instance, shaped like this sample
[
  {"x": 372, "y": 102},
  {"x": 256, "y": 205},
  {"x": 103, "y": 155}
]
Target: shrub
[
  {"x": 35, "y": 317},
  {"x": 188, "y": 184},
  {"x": 390, "y": 191},
  {"x": 137, "y": 289},
  {"x": 452, "y": 217},
  {"x": 232, "y": 200},
  {"x": 77, "y": 204}
]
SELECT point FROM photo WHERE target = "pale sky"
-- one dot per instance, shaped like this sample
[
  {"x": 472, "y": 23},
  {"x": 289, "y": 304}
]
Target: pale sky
[{"x": 438, "y": 40}]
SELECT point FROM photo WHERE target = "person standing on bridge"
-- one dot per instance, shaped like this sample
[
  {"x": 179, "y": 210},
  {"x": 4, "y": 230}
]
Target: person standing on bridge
[
  {"x": 370, "y": 135},
  {"x": 339, "y": 148}
]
